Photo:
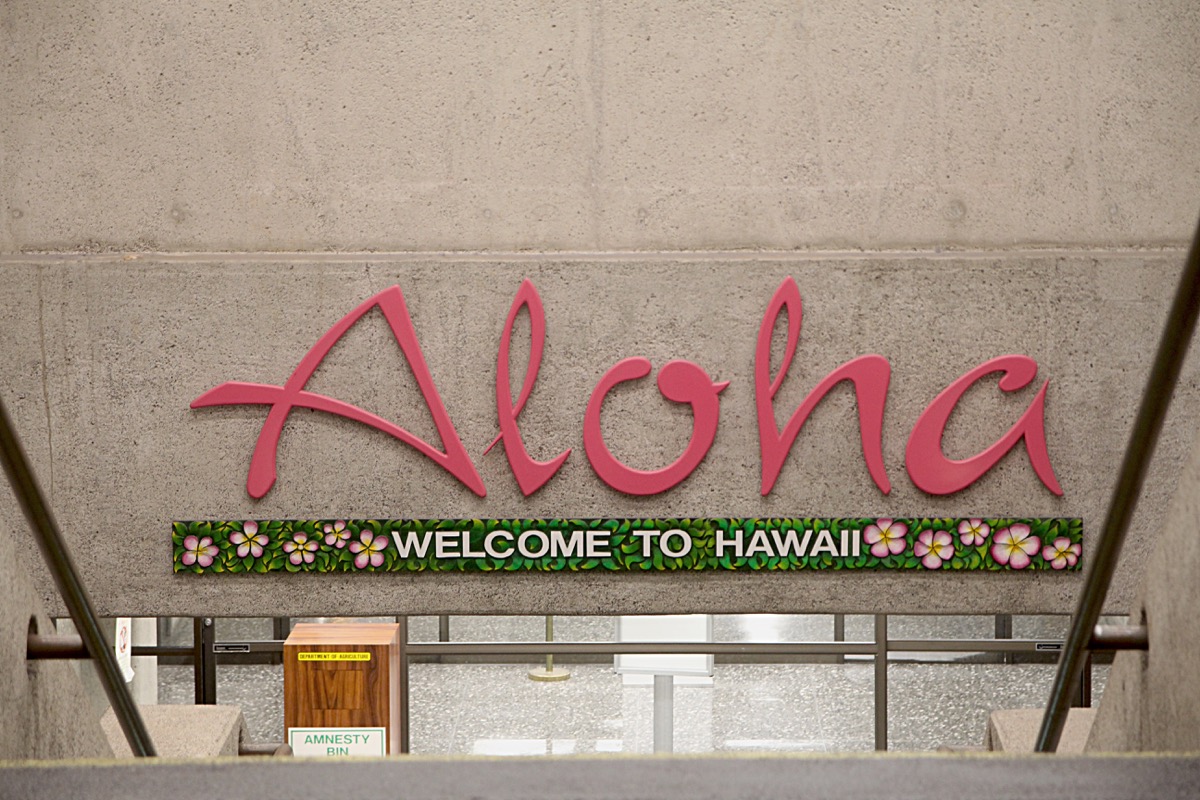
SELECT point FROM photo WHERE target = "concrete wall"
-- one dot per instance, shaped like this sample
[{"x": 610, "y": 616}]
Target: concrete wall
[
  {"x": 44, "y": 710},
  {"x": 1149, "y": 704},
  {"x": 597, "y": 125},
  {"x": 110, "y": 354},
  {"x": 946, "y": 184}
]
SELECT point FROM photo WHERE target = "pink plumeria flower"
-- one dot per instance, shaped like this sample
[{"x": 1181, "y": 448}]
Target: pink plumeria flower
[
  {"x": 934, "y": 547},
  {"x": 336, "y": 534},
  {"x": 301, "y": 549},
  {"x": 199, "y": 551},
  {"x": 886, "y": 537},
  {"x": 1062, "y": 553},
  {"x": 973, "y": 532},
  {"x": 1013, "y": 546},
  {"x": 370, "y": 550},
  {"x": 249, "y": 540}
]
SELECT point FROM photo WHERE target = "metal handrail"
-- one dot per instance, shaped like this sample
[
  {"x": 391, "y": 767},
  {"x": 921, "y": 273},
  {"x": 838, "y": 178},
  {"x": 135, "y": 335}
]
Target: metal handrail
[
  {"x": 613, "y": 647},
  {"x": 1168, "y": 361},
  {"x": 58, "y": 559}
]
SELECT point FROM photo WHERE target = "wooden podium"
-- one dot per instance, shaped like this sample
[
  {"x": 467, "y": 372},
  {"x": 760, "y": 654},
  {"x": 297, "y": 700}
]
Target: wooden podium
[{"x": 341, "y": 689}]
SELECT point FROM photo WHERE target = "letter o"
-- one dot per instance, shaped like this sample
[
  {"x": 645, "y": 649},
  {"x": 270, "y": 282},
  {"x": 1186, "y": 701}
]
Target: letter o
[
  {"x": 523, "y": 547},
  {"x": 684, "y": 549},
  {"x": 490, "y": 548}
]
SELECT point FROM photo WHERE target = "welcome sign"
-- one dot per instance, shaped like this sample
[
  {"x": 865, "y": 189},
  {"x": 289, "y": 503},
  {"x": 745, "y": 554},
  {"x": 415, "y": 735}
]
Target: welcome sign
[
  {"x": 626, "y": 545},
  {"x": 633, "y": 545}
]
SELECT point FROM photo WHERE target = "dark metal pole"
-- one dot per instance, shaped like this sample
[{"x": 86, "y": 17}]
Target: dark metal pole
[
  {"x": 1004, "y": 628},
  {"x": 402, "y": 688},
  {"x": 1164, "y": 374},
  {"x": 881, "y": 682},
  {"x": 204, "y": 637},
  {"x": 75, "y": 597}
]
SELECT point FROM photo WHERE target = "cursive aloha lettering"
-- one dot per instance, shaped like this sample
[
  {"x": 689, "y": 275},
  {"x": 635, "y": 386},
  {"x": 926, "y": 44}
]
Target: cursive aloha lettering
[{"x": 678, "y": 381}]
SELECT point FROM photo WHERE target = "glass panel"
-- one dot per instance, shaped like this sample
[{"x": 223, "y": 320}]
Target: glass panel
[
  {"x": 1044, "y": 626},
  {"x": 941, "y": 626},
  {"x": 495, "y": 709},
  {"x": 935, "y": 705},
  {"x": 258, "y": 689},
  {"x": 175, "y": 631},
  {"x": 243, "y": 629},
  {"x": 773, "y": 627}
]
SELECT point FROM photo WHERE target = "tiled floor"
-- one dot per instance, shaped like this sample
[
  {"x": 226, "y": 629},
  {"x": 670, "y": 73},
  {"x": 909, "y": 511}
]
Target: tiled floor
[{"x": 495, "y": 709}]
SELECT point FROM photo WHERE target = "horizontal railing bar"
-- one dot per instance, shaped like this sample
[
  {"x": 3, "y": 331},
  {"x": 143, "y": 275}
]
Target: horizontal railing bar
[
  {"x": 976, "y": 645},
  {"x": 69, "y": 646},
  {"x": 254, "y": 646},
  {"x": 679, "y": 648},
  {"x": 1120, "y": 637},
  {"x": 638, "y": 648},
  {"x": 151, "y": 650},
  {"x": 50, "y": 646}
]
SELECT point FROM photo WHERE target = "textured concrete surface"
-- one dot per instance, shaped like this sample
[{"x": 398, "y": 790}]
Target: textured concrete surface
[
  {"x": 105, "y": 356},
  {"x": 44, "y": 710},
  {"x": 1151, "y": 703},
  {"x": 183, "y": 731},
  {"x": 1015, "y": 730},
  {"x": 597, "y": 125},
  {"x": 951, "y": 777}
]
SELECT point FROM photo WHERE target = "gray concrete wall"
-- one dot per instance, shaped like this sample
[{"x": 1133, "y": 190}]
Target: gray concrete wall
[
  {"x": 109, "y": 355},
  {"x": 1149, "y": 704},
  {"x": 597, "y": 125},
  {"x": 946, "y": 183},
  {"x": 44, "y": 710}
]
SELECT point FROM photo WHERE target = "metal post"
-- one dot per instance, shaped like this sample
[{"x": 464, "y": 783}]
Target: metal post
[
  {"x": 280, "y": 628},
  {"x": 549, "y": 673},
  {"x": 839, "y": 634},
  {"x": 444, "y": 628},
  {"x": 204, "y": 636},
  {"x": 70, "y": 586},
  {"x": 1004, "y": 628},
  {"x": 1164, "y": 375},
  {"x": 881, "y": 682},
  {"x": 402, "y": 685},
  {"x": 664, "y": 713},
  {"x": 1083, "y": 697}
]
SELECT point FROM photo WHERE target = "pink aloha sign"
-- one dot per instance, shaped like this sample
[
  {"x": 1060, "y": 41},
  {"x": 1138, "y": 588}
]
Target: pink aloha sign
[{"x": 679, "y": 381}]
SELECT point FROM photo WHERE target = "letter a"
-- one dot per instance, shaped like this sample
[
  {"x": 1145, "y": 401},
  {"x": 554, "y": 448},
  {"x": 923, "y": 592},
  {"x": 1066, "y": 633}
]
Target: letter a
[
  {"x": 282, "y": 399},
  {"x": 928, "y": 466}
]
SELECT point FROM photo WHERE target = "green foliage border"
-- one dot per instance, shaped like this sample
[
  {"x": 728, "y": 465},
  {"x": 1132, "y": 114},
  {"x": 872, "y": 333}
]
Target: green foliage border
[{"x": 626, "y": 549}]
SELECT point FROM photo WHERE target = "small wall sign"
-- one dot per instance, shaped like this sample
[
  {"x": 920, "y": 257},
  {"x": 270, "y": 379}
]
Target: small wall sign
[
  {"x": 327, "y": 742},
  {"x": 627, "y": 545}
]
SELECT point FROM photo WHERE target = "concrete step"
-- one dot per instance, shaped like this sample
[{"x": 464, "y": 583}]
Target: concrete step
[
  {"x": 179, "y": 731},
  {"x": 1015, "y": 730}
]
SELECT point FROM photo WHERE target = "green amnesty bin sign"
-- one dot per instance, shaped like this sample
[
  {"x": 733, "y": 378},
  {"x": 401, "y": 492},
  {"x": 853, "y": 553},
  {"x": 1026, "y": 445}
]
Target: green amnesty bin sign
[{"x": 509, "y": 545}]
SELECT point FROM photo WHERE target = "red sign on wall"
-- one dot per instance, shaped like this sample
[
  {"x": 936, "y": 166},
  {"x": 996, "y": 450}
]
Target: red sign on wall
[{"x": 679, "y": 381}]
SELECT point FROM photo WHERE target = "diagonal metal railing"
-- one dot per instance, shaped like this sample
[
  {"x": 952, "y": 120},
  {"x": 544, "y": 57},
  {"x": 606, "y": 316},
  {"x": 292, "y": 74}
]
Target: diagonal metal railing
[
  {"x": 58, "y": 558},
  {"x": 1164, "y": 374}
]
